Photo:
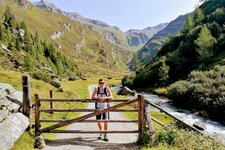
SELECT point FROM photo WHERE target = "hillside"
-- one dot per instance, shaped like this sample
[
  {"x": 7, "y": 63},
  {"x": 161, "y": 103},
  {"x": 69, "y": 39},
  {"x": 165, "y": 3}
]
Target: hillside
[
  {"x": 80, "y": 44},
  {"x": 137, "y": 38},
  {"x": 132, "y": 39},
  {"x": 195, "y": 56},
  {"x": 150, "y": 49}
]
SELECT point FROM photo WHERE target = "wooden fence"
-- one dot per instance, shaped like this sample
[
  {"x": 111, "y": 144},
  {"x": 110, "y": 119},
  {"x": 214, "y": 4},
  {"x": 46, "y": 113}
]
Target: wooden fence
[{"x": 84, "y": 118}]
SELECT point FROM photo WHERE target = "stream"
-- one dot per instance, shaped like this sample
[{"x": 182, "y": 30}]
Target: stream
[{"x": 213, "y": 129}]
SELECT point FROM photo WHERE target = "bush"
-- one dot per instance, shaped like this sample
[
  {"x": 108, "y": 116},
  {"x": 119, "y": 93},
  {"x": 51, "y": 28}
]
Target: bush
[
  {"x": 42, "y": 76},
  {"x": 202, "y": 91},
  {"x": 127, "y": 81}
]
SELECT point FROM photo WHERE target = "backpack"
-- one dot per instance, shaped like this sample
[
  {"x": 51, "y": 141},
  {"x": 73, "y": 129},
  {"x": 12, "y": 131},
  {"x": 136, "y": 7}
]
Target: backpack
[{"x": 98, "y": 91}]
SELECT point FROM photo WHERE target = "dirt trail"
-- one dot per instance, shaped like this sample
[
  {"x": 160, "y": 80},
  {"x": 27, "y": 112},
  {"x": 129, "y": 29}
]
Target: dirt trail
[{"x": 90, "y": 141}]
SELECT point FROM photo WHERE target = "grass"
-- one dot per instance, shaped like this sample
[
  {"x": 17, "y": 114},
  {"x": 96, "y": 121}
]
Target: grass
[
  {"x": 172, "y": 137},
  {"x": 73, "y": 89}
]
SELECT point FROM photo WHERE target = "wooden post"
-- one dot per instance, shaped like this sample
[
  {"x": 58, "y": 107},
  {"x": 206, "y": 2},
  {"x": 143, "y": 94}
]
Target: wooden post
[
  {"x": 26, "y": 97},
  {"x": 150, "y": 125},
  {"x": 51, "y": 103},
  {"x": 37, "y": 114},
  {"x": 140, "y": 115}
]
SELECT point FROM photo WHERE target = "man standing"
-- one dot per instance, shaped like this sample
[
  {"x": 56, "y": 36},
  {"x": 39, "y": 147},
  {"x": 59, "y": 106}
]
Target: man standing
[{"x": 102, "y": 93}]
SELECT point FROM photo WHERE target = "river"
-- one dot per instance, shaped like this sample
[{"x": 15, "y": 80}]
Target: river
[{"x": 213, "y": 129}]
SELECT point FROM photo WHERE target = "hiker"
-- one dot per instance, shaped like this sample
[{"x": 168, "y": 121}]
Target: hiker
[{"x": 102, "y": 93}]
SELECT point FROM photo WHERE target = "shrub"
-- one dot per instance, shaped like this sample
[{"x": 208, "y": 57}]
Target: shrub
[
  {"x": 42, "y": 76},
  {"x": 202, "y": 91}
]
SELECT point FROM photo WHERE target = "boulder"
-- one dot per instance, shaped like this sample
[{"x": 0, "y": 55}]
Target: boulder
[
  {"x": 199, "y": 125},
  {"x": 39, "y": 142},
  {"x": 8, "y": 88},
  {"x": 12, "y": 123},
  {"x": 12, "y": 127},
  {"x": 60, "y": 90},
  {"x": 125, "y": 91}
]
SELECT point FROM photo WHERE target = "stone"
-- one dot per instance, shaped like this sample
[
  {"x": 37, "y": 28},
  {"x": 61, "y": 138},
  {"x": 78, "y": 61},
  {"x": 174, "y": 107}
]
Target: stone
[
  {"x": 16, "y": 97},
  {"x": 56, "y": 35},
  {"x": 11, "y": 129},
  {"x": 199, "y": 125},
  {"x": 125, "y": 91},
  {"x": 8, "y": 88},
  {"x": 3, "y": 93},
  {"x": 3, "y": 47},
  {"x": 60, "y": 90},
  {"x": 39, "y": 142}
]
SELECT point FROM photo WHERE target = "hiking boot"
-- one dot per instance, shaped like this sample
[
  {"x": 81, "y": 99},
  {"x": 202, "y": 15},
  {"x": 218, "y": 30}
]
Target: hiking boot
[
  {"x": 106, "y": 137},
  {"x": 100, "y": 136}
]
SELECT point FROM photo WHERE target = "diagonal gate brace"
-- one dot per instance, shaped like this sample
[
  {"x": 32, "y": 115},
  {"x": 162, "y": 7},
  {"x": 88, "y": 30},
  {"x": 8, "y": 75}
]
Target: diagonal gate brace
[{"x": 81, "y": 118}]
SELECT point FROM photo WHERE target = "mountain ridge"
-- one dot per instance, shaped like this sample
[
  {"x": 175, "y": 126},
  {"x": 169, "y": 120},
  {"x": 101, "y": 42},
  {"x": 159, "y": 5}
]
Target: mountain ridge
[{"x": 131, "y": 39}]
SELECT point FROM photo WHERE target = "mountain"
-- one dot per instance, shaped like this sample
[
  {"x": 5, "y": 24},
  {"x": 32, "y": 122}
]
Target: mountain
[
  {"x": 65, "y": 44},
  {"x": 152, "y": 46},
  {"x": 137, "y": 38},
  {"x": 132, "y": 39}
]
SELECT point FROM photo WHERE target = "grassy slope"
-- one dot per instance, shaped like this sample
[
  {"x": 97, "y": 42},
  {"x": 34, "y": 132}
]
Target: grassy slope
[{"x": 46, "y": 23}]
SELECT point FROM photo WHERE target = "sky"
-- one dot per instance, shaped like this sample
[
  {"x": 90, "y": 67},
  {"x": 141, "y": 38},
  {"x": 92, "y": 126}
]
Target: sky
[{"x": 128, "y": 14}]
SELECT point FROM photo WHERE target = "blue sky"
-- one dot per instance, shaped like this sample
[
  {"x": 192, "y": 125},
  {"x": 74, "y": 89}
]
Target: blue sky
[{"x": 128, "y": 14}]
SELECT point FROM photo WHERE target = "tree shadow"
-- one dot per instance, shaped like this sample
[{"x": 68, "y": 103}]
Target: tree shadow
[{"x": 92, "y": 143}]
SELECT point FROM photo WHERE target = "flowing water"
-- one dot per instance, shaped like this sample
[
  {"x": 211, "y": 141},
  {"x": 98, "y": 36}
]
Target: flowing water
[{"x": 213, "y": 129}]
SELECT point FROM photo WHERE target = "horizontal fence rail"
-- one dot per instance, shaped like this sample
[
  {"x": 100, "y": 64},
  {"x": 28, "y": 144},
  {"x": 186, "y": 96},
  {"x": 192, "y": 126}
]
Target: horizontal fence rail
[
  {"x": 90, "y": 121},
  {"x": 83, "y": 110},
  {"x": 79, "y": 100},
  {"x": 166, "y": 112},
  {"x": 89, "y": 132}
]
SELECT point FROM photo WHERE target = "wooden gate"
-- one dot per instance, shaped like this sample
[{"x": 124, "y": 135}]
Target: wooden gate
[{"x": 85, "y": 118}]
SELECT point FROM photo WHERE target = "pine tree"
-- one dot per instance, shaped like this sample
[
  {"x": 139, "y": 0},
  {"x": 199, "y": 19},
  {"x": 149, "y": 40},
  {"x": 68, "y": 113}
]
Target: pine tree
[
  {"x": 28, "y": 63},
  {"x": 1, "y": 32},
  {"x": 18, "y": 44},
  {"x": 188, "y": 25},
  {"x": 198, "y": 16},
  {"x": 204, "y": 44},
  {"x": 8, "y": 35},
  {"x": 135, "y": 63},
  {"x": 59, "y": 67}
]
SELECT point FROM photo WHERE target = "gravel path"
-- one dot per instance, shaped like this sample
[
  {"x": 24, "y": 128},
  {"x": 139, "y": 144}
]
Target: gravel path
[{"x": 90, "y": 141}]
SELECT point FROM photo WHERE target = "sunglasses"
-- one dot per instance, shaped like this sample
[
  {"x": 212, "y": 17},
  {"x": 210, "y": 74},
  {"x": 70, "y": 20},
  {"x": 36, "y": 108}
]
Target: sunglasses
[{"x": 101, "y": 82}]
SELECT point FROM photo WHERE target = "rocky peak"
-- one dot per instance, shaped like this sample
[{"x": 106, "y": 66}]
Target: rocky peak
[{"x": 46, "y": 4}]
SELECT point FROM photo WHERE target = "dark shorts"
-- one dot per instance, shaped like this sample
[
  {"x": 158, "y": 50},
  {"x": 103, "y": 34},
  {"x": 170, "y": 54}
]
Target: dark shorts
[{"x": 103, "y": 116}]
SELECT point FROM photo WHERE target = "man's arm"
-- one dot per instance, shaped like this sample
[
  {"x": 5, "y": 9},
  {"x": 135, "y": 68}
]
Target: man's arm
[
  {"x": 109, "y": 94},
  {"x": 94, "y": 94}
]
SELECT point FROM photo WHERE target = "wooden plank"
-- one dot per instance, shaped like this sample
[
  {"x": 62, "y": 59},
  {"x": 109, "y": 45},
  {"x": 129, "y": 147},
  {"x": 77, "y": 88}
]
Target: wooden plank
[
  {"x": 51, "y": 93},
  {"x": 90, "y": 121},
  {"x": 64, "y": 123},
  {"x": 79, "y": 100},
  {"x": 139, "y": 115},
  {"x": 157, "y": 121},
  {"x": 26, "y": 98},
  {"x": 83, "y": 110},
  {"x": 166, "y": 112},
  {"x": 37, "y": 114},
  {"x": 88, "y": 132},
  {"x": 150, "y": 125}
]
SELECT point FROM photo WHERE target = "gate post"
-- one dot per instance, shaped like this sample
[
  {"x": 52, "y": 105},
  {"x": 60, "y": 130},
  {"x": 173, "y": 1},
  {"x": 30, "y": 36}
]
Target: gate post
[
  {"x": 140, "y": 114},
  {"x": 51, "y": 93},
  {"x": 37, "y": 114},
  {"x": 26, "y": 98}
]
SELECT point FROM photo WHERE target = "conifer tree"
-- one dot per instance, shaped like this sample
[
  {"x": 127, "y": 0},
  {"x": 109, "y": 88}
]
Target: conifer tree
[
  {"x": 135, "y": 63},
  {"x": 1, "y": 32},
  {"x": 204, "y": 44}
]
